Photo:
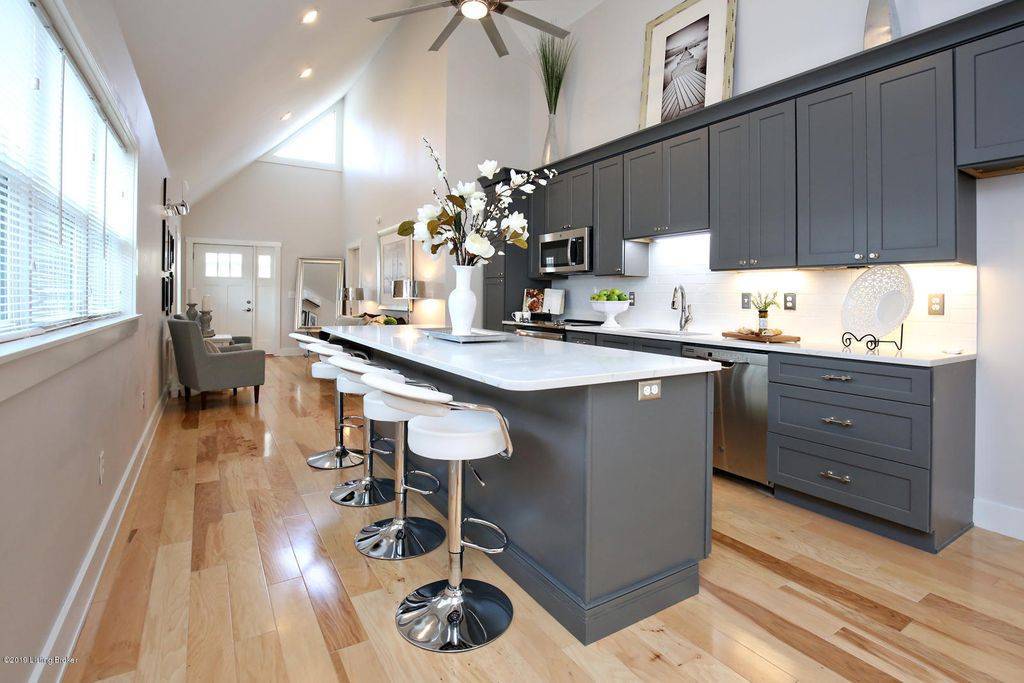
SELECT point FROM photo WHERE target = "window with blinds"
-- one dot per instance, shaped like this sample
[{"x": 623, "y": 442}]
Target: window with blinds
[{"x": 67, "y": 189}]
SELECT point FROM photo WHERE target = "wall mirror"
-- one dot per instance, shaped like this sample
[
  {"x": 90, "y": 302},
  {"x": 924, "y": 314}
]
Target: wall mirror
[{"x": 318, "y": 287}]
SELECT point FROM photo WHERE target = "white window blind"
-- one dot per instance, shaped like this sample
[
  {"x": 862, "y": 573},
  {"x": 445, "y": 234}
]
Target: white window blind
[{"x": 67, "y": 225}]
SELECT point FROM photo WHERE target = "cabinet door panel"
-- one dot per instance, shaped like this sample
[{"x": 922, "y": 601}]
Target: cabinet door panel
[
  {"x": 990, "y": 98},
  {"x": 616, "y": 342},
  {"x": 686, "y": 181},
  {"x": 911, "y": 172},
  {"x": 608, "y": 217},
  {"x": 772, "y": 218},
  {"x": 831, "y": 176},
  {"x": 581, "y": 193},
  {"x": 494, "y": 302},
  {"x": 644, "y": 192},
  {"x": 538, "y": 216},
  {"x": 559, "y": 204},
  {"x": 729, "y": 149}
]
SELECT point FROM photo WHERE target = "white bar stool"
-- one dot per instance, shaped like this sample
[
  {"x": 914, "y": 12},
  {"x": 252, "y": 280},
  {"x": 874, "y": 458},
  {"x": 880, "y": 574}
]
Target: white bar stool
[
  {"x": 304, "y": 341},
  {"x": 453, "y": 614},
  {"x": 367, "y": 490},
  {"x": 338, "y": 457},
  {"x": 399, "y": 537}
]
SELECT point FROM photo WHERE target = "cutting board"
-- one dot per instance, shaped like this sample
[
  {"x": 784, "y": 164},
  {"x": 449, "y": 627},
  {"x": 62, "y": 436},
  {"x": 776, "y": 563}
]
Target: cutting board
[{"x": 777, "y": 339}]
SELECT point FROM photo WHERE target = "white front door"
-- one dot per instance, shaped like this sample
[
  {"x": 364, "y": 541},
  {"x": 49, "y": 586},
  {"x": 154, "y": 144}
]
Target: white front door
[{"x": 225, "y": 274}]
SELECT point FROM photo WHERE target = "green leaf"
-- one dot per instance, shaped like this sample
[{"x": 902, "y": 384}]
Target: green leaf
[
  {"x": 406, "y": 228},
  {"x": 457, "y": 201}
]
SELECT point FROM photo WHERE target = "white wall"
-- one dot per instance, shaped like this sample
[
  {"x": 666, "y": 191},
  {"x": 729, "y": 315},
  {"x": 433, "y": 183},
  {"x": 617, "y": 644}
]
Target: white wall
[
  {"x": 999, "y": 495},
  {"x": 50, "y": 501},
  {"x": 267, "y": 202}
]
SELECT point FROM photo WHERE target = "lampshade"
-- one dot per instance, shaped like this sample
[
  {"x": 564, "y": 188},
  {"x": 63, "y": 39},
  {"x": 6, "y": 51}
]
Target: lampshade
[
  {"x": 353, "y": 294},
  {"x": 407, "y": 289}
]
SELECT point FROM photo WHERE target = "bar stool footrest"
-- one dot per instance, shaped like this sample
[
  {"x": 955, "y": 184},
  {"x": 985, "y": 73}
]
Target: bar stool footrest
[
  {"x": 489, "y": 525},
  {"x": 421, "y": 473}
]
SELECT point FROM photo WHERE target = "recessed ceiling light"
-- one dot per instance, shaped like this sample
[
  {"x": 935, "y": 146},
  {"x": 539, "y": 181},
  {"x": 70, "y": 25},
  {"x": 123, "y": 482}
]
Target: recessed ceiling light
[
  {"x": 306, "y": 73},
  {"x": 474, "y": 9},
  {"x": 287, "y": 115},
  {"x": 310, "y": 16}
]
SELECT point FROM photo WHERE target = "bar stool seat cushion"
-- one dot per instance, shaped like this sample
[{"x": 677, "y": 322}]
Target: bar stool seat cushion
[
  {"x": 304, "y": 339},
  {"x": 374, "y": 408},
  {"x": 325, "y": 349},
  {"x": 351, "y": 382},
  {"x": 323, "y": 370},
  {"x": 459, "y": 435}
]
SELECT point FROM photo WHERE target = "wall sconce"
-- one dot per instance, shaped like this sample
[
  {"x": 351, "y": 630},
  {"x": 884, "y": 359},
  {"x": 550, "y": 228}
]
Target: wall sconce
[
  {"x": 409, "y": 290},
  {"x": 349, "y": 296}
]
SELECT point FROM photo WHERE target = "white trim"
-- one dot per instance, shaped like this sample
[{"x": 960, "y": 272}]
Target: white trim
[
  {"x": 75, "y": 608},
  {"x": 28, "y": 361},
  {"x": 337, "y": 166},
  {"x": 998, "y": 517},
  {"x": 231, "y": 243},
  {"x": 294, "y": 351}
]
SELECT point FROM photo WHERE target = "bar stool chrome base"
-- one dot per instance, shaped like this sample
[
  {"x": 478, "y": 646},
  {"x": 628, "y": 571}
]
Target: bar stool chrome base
[
  {"x": 440, "y": 618},
  {"x": 334, "y": 459},
  {"x": 399, "y": 539},
  {"x": 365, "y": 492}
]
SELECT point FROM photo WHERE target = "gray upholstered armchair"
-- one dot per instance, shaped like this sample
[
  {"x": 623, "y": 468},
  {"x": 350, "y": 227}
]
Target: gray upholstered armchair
[{"x": 202, "y": 370}]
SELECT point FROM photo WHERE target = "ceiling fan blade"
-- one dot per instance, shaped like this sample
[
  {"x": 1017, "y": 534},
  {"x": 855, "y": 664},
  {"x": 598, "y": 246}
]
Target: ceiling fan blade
[
  {"x": 492, "y": 32},
  {"x": 530, "y": 20},
  {"x": 448, "y": 29},
  {"x": 412, "y": 10}
]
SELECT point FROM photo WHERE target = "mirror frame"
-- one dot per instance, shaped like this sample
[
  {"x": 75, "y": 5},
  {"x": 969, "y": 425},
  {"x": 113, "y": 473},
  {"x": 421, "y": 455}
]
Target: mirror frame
[{"x": 339, "y": 287}]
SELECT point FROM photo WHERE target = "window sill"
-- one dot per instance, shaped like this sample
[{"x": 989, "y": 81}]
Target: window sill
[{"x": 27, "y": 362}]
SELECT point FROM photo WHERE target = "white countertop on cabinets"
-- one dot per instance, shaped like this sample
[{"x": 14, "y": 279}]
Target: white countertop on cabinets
[{"x": 520, "y": 363}]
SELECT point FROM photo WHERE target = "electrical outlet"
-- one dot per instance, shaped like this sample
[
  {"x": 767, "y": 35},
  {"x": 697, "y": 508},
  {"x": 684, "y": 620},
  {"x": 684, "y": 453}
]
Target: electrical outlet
[
  {"x": 745, "y": 300},
  {"x": 936, "y": 304},
  {"x": 648, "y": 390},
  {"x": 102, "y": 467},
  {"x": 632, "y": 298},
  {"x": 142, "y": 397},
  {"x": 789, "y": 301}
]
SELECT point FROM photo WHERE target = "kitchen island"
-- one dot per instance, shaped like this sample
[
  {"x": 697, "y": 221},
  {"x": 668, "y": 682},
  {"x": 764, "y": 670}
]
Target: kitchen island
[{"x": 607, "y": 497}]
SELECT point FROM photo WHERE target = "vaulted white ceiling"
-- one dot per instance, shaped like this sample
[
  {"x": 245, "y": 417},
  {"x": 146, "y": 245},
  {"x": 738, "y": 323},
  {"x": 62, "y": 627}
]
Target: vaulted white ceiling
[{"x": 219, "y": 74}]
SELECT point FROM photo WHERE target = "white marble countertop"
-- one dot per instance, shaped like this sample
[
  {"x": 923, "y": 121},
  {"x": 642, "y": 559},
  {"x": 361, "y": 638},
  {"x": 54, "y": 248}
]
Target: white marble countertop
[
  {"x": 919, "y": 356},
  {"x": 520, "y": 363}
]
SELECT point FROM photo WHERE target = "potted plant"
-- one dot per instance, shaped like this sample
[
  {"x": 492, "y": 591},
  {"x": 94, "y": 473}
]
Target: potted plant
[
  {"x": 762, "y": 302},
  {"x": 555, "y": 55},
  {"x": 463, "y": 221}
]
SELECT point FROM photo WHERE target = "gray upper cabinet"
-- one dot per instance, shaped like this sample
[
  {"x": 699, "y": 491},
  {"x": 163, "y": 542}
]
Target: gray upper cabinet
[
  {"x": 643, "y": 173},
  {"x": 570, "y": 200},
  {"x": 990, "y": 101},
  {"x": 685, "y": 161},
  {"x": 729, "y": 164},
  {"x": 608, "y": 215},
  {"x": 772, "y": 187},
  {"x": 831, "y": 143},
  {"x": 558, "y": 196},
  {"x": 912, "y": 176},
  {"x": 537, "y": 217}
]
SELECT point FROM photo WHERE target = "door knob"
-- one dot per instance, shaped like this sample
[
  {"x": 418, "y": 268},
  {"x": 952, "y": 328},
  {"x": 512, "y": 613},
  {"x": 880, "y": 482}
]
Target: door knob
[{"x": 249, "y": 310}]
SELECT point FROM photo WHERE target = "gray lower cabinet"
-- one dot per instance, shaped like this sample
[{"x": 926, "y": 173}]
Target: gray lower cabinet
[
  {"x": 625, "y": 343},
  {"x": 579, "y": 338},
  {"x": 494, "y": 303},
  {"x": 990, "y": 102},
  {"x": 889, "y": 448},
  {"x": 659, "y": 346}
]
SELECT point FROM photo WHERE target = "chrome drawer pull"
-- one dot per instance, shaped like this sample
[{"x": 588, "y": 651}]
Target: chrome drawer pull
[
  {"x": 837, "y": 421},
  {"x": 829, "y": 474},
  {"x": 837, "y": 378}
]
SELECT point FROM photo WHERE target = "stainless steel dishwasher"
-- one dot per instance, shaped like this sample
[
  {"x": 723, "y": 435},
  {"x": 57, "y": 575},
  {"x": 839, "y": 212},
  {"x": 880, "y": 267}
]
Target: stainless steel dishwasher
[{"x": 741, "y": 410}]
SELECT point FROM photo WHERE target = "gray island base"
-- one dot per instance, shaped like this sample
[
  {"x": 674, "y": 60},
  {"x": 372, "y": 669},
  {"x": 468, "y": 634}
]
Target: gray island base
[{"x": 606, "y": 499}]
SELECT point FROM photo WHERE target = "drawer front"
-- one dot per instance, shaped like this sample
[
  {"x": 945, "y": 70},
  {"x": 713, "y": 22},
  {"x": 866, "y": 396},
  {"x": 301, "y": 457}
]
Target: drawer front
[
  {"x": 885, "y": 429},
  {"x": 877, "y": 380},
  {"x": 665, "y": 348},
  {"x": 626, "y": 343},
  {"x": 579, "y": 338},
  {"x": 896, "y": 492}
]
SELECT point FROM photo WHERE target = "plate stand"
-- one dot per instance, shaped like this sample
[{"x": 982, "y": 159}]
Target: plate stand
[{"x": 871, "y": 341}]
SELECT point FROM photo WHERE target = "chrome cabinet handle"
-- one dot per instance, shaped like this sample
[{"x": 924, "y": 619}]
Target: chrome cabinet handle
[
  {"x": 837, "y": 421},
  {"x": 837, "y": 378},
  {"x": 829, "y": 474}
]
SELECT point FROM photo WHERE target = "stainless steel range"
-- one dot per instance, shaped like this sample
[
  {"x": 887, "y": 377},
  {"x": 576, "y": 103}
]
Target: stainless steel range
[{"x": 547, "y": 329}]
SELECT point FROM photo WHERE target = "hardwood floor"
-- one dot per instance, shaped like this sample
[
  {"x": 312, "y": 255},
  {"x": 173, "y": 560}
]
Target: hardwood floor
[{"x": 233, "y": 564}]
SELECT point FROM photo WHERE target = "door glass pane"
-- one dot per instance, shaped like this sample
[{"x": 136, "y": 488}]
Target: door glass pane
[
  {"x": 236, "y": 265},
  {"x": 223, "y": 265},
  {"x": 211, "y": 264},
  {"x": 263, "y": 267}
]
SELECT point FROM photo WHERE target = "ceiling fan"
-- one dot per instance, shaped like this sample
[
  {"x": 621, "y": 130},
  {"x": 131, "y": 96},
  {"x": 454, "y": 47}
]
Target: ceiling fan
[{"x": 481, "y": 10}]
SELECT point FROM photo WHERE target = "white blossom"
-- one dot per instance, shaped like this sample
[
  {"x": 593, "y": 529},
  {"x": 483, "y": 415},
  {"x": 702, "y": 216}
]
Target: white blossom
[
  {"x": 488, "y": 168},
  {"x": 427, "y": 213},
  {"x": 527, "y": 188},
  {"x": 479, "y": 245},
  {"x": 465, "y": 189},
  {"x": 477, "y": 204},
  {"x": 516, "y": 223}
]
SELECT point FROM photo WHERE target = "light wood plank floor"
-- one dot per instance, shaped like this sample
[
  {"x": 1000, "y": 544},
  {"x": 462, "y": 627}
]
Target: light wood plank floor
[{"x": 232, "y": 564}]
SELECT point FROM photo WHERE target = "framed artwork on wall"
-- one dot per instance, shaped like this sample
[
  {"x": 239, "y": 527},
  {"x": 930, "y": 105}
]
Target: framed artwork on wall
[
  {"x": 688, "y": 58},
  {"x": 394, "y": 262}
]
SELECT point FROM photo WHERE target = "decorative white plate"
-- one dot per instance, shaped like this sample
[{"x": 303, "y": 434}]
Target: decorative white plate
[{"x": 878, "y": 301}]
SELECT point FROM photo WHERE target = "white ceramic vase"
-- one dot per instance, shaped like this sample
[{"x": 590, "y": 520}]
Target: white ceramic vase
[{"x": 462, "y": 301}]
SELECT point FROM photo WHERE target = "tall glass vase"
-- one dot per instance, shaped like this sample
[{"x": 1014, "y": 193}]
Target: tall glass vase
[
  {"x": 550, "y": 151},
  {"x": 462, "y": 301}
]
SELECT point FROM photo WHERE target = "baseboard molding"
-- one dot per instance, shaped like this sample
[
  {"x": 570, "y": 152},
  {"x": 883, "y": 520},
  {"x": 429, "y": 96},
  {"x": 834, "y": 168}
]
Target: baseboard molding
[
  {"x": 1000, "y": 518},
  {"x": 71, "y": 617},
  {"x": 290, "y": 352}
]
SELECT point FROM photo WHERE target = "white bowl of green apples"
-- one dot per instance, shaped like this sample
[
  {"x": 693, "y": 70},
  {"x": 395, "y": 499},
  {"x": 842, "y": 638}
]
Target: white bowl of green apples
[{"x": 610, "y": 302}]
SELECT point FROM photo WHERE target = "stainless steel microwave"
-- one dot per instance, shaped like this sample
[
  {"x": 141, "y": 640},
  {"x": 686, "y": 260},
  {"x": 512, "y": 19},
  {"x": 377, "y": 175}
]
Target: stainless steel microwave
[{"x": 566, "y": 251}]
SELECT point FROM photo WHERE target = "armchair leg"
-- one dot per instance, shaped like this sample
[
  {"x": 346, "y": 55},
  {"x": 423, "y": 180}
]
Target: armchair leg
[
  {"x": 256, "y": 394},
  {"x": 202, "y": 400},
  {"x": 234, "y": 391},
  {"x": 188, "y": 395}
]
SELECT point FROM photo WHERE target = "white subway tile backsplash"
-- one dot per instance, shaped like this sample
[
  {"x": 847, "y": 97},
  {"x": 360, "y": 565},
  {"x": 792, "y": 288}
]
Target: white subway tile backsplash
[{"x": 683, "y": 259}]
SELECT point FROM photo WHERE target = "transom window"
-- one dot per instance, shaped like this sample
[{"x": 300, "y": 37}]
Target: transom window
[{"x": 67, "y": 189}]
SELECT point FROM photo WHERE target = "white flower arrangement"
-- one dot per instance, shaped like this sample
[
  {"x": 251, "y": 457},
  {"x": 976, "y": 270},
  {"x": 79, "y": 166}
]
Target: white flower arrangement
[{"x": 465, "y": 221}]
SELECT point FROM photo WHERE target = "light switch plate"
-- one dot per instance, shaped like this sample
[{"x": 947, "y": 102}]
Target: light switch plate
[
  {"x": 936, "y": 304},
  {"x": 632, "y": 298},
  {"x": 745, "y": 300},
  {"x": 789, "y": 301},
  {"x": 648, "y": 390}
]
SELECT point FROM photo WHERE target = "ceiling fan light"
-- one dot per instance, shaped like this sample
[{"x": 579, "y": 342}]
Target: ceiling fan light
[
  {"x": 474, "y": 9},
  {"x": 310, "y": 16}
]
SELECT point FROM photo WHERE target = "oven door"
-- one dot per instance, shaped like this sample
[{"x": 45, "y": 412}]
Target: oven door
[
  {"x": 567, "y": 251},
  {"x": 541, "y": 334}
]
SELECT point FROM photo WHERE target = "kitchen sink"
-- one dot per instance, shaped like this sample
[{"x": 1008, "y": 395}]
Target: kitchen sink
[{"x": 676, "y": 333}]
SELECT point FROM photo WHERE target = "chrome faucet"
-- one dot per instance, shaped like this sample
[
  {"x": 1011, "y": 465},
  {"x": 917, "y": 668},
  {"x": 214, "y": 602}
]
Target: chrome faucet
[{"x": 685, "y": 309}]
